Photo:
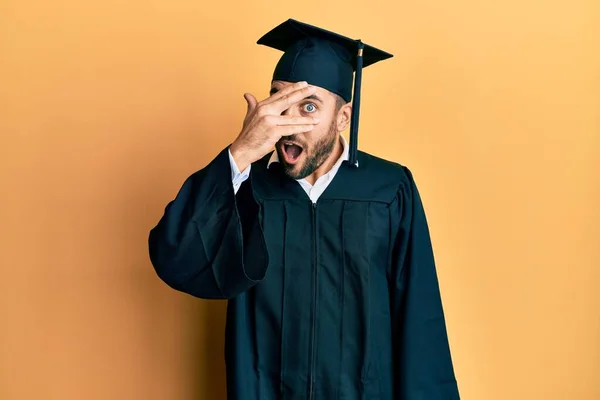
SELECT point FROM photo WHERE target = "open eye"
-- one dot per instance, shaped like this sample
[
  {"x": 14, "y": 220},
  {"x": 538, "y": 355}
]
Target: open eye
[{"x": 309, "y": 107}]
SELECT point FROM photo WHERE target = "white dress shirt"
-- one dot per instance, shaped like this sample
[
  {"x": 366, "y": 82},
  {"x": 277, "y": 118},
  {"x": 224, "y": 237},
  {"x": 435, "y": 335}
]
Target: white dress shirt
[{"x": 313, "y": 191}]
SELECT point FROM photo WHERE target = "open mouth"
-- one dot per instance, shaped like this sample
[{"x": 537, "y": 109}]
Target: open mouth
[{"x": 291, "y": 152}]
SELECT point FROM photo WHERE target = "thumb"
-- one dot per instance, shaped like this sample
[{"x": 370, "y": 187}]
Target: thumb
[{"x": 251, "y": 100}]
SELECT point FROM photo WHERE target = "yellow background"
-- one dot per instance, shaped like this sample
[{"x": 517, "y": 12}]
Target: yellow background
[{"x": 107, "y": 106}]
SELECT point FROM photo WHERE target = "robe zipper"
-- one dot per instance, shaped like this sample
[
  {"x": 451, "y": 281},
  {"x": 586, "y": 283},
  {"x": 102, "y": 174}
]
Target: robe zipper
[{"x": 314, "y": 304}]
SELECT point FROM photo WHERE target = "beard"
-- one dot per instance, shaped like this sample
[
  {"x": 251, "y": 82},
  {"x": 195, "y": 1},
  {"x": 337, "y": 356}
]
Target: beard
[{"x": 319, "y": 153}]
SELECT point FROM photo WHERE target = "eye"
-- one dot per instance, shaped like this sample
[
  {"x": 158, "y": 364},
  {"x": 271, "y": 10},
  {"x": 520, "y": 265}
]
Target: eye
[{"x": 309, "y": 107}]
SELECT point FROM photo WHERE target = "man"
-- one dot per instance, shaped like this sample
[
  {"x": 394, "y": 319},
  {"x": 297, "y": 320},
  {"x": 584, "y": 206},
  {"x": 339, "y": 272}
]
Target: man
[{"x": 323, "y": 252}]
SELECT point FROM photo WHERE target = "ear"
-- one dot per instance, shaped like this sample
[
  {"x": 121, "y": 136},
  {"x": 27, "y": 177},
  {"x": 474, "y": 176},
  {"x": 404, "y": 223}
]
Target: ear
[{"x": 343, "y": 117}]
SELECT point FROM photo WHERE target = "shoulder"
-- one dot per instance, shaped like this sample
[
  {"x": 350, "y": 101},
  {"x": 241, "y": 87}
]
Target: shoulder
[
  {"x": 375, "y": 179},
  {"x": 392, "y": 172}
]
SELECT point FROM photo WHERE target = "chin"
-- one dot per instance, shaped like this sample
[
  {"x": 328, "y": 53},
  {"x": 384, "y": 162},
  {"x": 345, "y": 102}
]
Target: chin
[{"x": 294, "y": 171}]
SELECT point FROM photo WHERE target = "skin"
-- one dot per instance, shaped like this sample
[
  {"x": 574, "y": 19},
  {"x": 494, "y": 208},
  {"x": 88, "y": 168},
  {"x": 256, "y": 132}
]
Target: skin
[{"x": 308, "y": 116}]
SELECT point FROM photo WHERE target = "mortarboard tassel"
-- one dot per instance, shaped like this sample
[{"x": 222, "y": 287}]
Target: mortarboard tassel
[{"x": 356, "y": 107}]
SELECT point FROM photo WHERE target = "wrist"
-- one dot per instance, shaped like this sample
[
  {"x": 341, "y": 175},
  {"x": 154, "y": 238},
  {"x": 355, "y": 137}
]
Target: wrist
[{"x": 238, "y": 157}]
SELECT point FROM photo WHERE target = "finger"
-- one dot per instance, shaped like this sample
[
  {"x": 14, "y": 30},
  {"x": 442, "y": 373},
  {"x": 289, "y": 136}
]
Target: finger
[
  {"x": 286, "y": 101},
  {"x": 252, "y": 102},
  {"x": 289, "y": 120},
  {"x": 286, "y": 90},
  {"x": 287, "y": 130}
]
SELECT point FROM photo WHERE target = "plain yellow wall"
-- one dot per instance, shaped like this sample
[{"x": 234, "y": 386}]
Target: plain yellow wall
[{"x": 107, "y": 106}]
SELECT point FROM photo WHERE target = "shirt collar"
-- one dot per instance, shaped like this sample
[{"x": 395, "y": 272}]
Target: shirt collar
[{"x": 344, "y": 157}]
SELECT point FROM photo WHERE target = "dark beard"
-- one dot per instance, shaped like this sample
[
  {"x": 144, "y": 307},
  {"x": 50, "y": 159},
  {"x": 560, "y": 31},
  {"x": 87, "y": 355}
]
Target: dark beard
[{"x": 322, "y": 150}]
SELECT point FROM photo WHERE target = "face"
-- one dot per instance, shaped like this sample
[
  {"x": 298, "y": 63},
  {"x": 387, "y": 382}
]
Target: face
[{"x": 302, "y": 154}]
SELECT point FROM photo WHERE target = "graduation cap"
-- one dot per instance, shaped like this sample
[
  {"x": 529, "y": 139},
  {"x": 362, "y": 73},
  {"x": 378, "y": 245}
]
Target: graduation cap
[{"x": 325, "y": 59}]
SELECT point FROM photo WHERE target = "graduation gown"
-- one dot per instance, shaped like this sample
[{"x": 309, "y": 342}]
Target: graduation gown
[{"x": 333, "y": 300}]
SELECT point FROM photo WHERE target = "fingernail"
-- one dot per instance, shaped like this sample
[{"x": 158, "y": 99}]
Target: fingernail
[{"x": 316, "y": 120}]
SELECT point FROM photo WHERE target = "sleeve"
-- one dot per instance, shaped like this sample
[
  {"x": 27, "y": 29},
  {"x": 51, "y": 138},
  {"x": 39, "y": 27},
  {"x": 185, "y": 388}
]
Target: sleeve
[
  {"x": 237, "y": 177},
  {"x": 209, "y": 242},
  {"x": 422, "y": 359}
]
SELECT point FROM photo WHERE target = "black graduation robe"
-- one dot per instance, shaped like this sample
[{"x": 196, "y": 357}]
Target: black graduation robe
[{"x": 326, "y": 301}]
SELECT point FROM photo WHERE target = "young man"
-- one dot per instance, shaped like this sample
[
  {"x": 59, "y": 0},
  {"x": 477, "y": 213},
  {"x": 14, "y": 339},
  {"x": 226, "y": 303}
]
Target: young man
[{"x": 323, "y": 252}]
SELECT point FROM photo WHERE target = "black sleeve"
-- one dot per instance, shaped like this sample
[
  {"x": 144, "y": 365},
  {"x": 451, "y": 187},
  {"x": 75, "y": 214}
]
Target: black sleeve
[
  {"x": 423, "y": 363},
  {"x": 209, "y": 242}
]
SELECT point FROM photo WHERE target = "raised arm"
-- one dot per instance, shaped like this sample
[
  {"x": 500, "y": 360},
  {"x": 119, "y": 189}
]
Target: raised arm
[{"x": 208, "y": 243}]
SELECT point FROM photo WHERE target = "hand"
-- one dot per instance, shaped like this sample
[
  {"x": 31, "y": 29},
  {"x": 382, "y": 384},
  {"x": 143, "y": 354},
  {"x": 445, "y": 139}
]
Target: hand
[{"x": 264, "y": 125}]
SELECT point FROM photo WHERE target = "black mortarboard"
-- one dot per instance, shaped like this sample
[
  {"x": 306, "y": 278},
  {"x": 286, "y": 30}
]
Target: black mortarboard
[{"x": 325, "y": 59}]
